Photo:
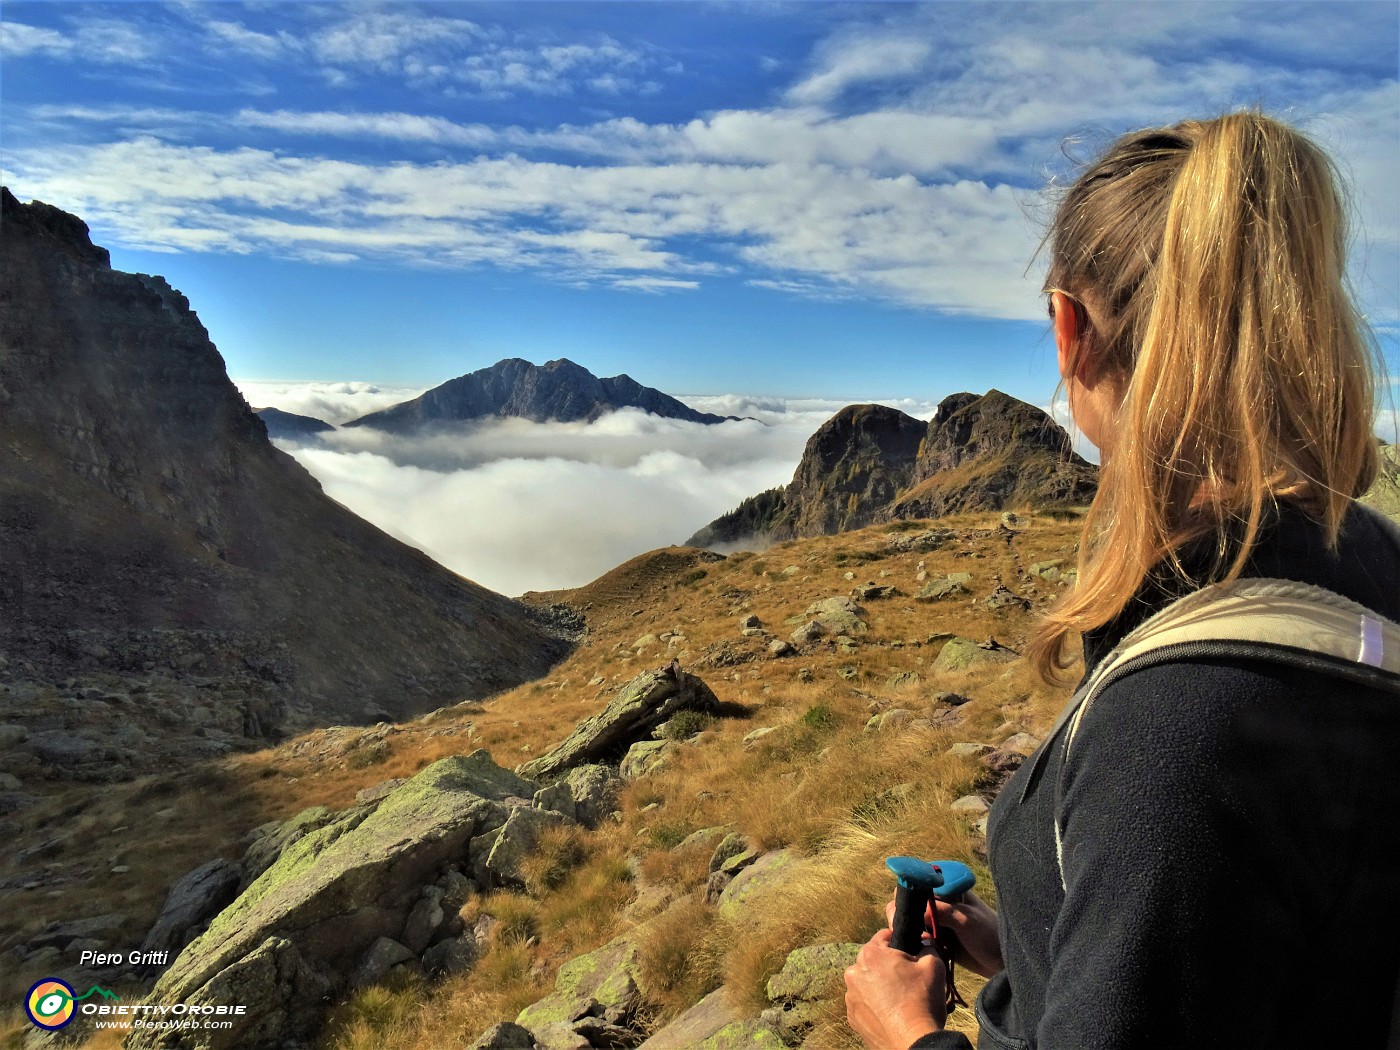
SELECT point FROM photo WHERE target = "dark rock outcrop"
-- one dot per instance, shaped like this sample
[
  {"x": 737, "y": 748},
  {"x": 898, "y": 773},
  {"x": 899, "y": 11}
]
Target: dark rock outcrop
[
  {"x": 557, "y": 390},
  {"x": 290, "y": 425},
  {"x": 151, "y": 531},
  {"x": 869, "y": 464}
]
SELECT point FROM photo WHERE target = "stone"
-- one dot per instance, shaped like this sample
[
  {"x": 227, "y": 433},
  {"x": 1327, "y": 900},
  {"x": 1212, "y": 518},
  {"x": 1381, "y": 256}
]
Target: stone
[
  {"x": 557, "y": 1035},
  {"x": 1003, "y": 598},
  {"x": 778, "y": 648},
  {"x": 337, "y": 890},
  {"x": 605, "y": 983},
  {"x": 378, "y": 791},
  {"x": 274, "y": 838},
  {"x": 1021, "y": 743},
  {"x": 872, "y": 592},
  {"x": 451, "y": 957},
  {"x": 594, "y": 789},
  {"x": 890, "y": 721},
  {"x": 645, "y": 756},
  {"x": 699, "y": 1023},
  {"x": 952, "y": 699},
  {"x": 812, "y": 973},
  {"x": 58, "y": 747},
  {"x": 1002, "y": 761},
  {"x": 506, "y": 1035},
  {"x": 744, "y": 1035},
  {"x": 903, "y": 679},
  {"x": 644, "y": 641},
  {"x": 970, "y": 750},
  {"x": 808, "y": 633},
  {"x": 1011, "y": 520},
  {"x": 758, "y": 734},
  {"x": 1046, "y": 570},
  {"x": 191, "y": 903},
  {"x": 959, "y": 654},
  {"x": 10, "y": 782},
  {"x": 839, "y": 615},
  {"x": 517, "y": 841},
  {"x": 791, "y": 570},
  {"x": 730, "y": 846},
  {"x": 753, "y": 632},
  {"x": 950, "y": 586},
  {"x": 11, "y": 735},
  {"x": 634, "y": 714},
  {"x": 425, "y": 919},
  {"x": 61, "y": 934},
  {"x": 970, "y": 807},
  {"x": 704, "y": 836},
  {"x": 763, "y": 875},
  {"x": 381, "y": 956},
  {"x": 556, "y": 798},
  {"x": 750, "y": 622}
]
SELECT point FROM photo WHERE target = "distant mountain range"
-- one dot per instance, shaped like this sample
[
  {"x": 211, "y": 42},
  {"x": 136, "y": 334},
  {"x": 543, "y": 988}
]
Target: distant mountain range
[
  {"x": 559, "y": 391},
  {"x": 869, "y": 464},
  {"x": 290, "y": 425}
]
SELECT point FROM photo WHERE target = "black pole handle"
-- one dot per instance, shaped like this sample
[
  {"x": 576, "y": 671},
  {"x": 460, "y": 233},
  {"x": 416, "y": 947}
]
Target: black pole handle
[{"x": 907, "y": 928}]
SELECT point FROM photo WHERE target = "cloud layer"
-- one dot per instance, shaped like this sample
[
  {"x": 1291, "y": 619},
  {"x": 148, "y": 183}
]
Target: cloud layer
[{"x": 523, "y": 506}]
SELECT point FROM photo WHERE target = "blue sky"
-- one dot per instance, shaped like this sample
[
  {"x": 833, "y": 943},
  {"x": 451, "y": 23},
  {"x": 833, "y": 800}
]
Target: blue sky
[{"x": 788, "y": 199}]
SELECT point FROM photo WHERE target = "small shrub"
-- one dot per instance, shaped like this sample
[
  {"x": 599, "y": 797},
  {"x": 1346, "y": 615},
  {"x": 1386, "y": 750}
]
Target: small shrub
[
  {"x": 691, "y": 578},
  {"x": 558, "y": 852},
  {"x": 685, "y": 724},
  {"x": 819, "y": 717},
  {"x": 669, "y": 835},
  {"x": 759, "y": 567},
  {"x": 676, "y": 961}
]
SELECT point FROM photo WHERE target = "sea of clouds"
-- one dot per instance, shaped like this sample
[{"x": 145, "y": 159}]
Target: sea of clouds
[{"x": 521, "y": 506}]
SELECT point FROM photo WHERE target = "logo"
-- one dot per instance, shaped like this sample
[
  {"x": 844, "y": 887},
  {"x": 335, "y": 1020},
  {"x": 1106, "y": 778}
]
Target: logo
[{"x": 50, "y": 1003}]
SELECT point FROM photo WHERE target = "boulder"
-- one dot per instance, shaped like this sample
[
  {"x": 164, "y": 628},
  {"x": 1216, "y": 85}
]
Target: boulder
[
  {"x": 699, "y": 1023},
  {"x": 191, "y": 903},
  {"x": 764, "y": 874},
  {"x": 874, "y": 592},
  {"x": 950, "y": 586},
  {"x": 730, "y": 846},
  {"x": 557, "y": 1035},
  {"x": 272, "y": 839},
  {"x": 605, "y": 983},
  {"x": 779, "y": 648},
  {"x": 749, "y": 622},
  {"x": 810, "y": 977},
  {"x": 285, "y": 947},
  {"x": 808, "y": 633},
  {"x": 970, "y": 807},
  {"x": 959, "y": 654},
  {"x": 968, "y": 749},
  {"x": 424, "y": 920},
  {"x": 515, "y": 842},
  {"x": 903, "y": 679},
  {"x": 644, "y": 756},
  {"x": 1002, "y": 598},
  {"x": 1021, "y": 743},
  {"x": 451, "y": 957},
  {"x": 839, "y": 615},
  {"x": 507, "y": 1035},
  {"x": 379, "y": 958},
  {"x": 889, "y": 721},
  {"x": 634, "y": 714},
  {"x": 744, "y": 1035},
  {"x": 594, "y": 789}
]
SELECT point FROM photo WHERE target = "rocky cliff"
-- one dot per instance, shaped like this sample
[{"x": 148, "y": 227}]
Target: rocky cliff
[
  {"x": 558, "y": 390},
  {"x": 158, "y": 548},
  {"x": 869, "y": 464},
  {"x": 290, "y": 425}
]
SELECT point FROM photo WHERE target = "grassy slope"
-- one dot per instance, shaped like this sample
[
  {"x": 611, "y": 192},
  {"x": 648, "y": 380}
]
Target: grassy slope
[{"x": 819, "y": 785}]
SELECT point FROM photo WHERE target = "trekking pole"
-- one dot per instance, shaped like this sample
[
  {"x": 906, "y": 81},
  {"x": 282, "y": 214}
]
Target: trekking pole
[{"x": 918, "y": 882}]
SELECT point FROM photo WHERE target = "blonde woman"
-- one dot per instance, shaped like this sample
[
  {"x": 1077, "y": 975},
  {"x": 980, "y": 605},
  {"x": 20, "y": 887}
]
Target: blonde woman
[{"x": 1228, "y": 829}]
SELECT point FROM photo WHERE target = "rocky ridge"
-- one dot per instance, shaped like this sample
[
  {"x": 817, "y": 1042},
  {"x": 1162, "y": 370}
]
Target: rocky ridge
[
  {"x": 162, "y": 558},
  {"x": 870, "y": 464},
  {"x": 559, "y": 391}
]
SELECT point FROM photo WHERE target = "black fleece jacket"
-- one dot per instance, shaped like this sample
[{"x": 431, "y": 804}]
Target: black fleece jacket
[{"x": 1231, "y": 847}]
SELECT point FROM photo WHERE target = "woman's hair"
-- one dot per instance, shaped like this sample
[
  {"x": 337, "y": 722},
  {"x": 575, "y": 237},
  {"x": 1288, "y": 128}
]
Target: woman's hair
[{"x": 1206, "y": 263}]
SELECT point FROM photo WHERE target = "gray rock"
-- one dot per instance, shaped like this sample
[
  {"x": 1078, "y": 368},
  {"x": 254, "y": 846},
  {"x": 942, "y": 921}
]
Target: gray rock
[
  {"x": 378, "y": 791},
  {"x": 756, "y": 735},
  {"x": 958, "y": 654},
  {"x": 970, "y": 750},
  {"x": 839, "y": 615},
  {"x": 890, "y": 721},
  {"x": 730, "y": 846},
  {"x": 507, "y": 1035},
  {"x": 424, "y": 920},
  {"x": 605, "y": 983},
  {"x": 1021, "y": 743},
  {"x": 808, "y": 633},
  {"x": 381, "y": 956},
  {"x": 704, "y": 836},
  {"x": 594, "y": 789},
  {"x": 950, "y": 586},
  {"x": 60, "y": 748},
  {"x": 699, "y": 1023},
  {"x": 778, "y": 648},
  {"x": 11, "y": 735},
  {"x": 191, "y": 903},
  {"x": 558, "y": 1035},
  {"x": 337, "y": 891},
  {"x": 903, "y": 679},
  {"x": 873, "y": 592},
  {"x": 556, "y": 798},
  {"x": 970, "y": 807},
  {"x": 1002, "y": 598},
  {"x": 61, "y": 934},
  {"x": 274, "y": 838},
  {"x": 750, "y": 621},
  {"x": 515, "y": 842},
  {"x": 451, "y": 957},
  {"x": 10, "y": 782},
  {"x": 646, "y": 702},
  {"x": 762, "y": 876},
  {"x": 645, "y": 756}
]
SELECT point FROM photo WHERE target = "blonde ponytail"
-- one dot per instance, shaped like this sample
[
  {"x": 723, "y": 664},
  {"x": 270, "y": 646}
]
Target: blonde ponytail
[{"x": 1210, "y": 260}]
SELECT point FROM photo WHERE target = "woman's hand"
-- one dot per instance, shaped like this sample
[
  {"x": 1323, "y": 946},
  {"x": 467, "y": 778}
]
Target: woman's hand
[
  {"x": 975, "y": 926},
  {"x": 892, "y": 998}
]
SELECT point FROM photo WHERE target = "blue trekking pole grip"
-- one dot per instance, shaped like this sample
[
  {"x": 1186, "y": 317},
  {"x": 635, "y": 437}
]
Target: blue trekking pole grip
[{"x": 918, "y": 882}]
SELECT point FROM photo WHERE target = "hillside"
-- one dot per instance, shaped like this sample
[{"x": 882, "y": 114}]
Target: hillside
[
  {"x": 790, "y": 765},
  {"x": 290, "y": 425},
  {"x": 558, "y": 391},
  {"x": 1385, "y": 494},
  {"x": 168, "y": 574},
  {"x": 870, "y": 464}
]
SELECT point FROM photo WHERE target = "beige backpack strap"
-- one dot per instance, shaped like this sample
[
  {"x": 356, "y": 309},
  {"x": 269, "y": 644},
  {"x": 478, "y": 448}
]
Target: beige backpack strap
[{"x": 1253, "y": 619}]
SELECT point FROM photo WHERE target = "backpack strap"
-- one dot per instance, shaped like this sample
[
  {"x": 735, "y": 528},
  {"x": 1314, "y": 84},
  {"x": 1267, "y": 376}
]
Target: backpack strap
[{"x": 1281, "y": 621}]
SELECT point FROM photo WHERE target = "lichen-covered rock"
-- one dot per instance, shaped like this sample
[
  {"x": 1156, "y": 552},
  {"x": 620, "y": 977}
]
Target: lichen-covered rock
[
  {"x": 515, "y": 842},
  {"x": 334, "y": 893},
  {"x": 809, "y": 633},
  {"x": 423, "y": 921},
  {"x": 767, "y": 872},
  {"x": 191, "y": 903},
  {"x": 605, "y": 983},
  {"x": 1004, "y": 598},
  {"x": 692, "y": 1028},
  {"x": 839, "y": 615},
  {"x": 274, "y": 838},
  {"x": 950, "y": 586},
  {"x": 958, "y": 654},
  {"x": 451, "y": 957},
  {"x": 730, "y": 846},
  {"x": 507, "y": 1035},
  {"x": 744, "y": 1035},
  {"x": 379, "y": 958},
  {"x": 644, "y": 756},
  {"x": 647, "y": 701},
  {"x": 812, "y": 973},
  {"x": 594, "y": 789}
]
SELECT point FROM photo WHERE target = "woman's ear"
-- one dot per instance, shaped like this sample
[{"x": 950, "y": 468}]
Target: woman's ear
[{"x": 1065, "y": 320}]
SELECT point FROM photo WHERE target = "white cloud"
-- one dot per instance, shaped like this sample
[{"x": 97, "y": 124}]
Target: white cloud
[
  {"x": 18, "y": 39},
  {"x": 333, "y": 402},
  {"x": 654, "y": 284},
  {"x": 861, "y": 58},
  {"x": 260, "y": 45}
]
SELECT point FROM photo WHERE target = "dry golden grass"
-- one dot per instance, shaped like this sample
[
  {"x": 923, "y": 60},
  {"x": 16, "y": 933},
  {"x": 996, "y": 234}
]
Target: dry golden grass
[{"x": 841, "y": 798}]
